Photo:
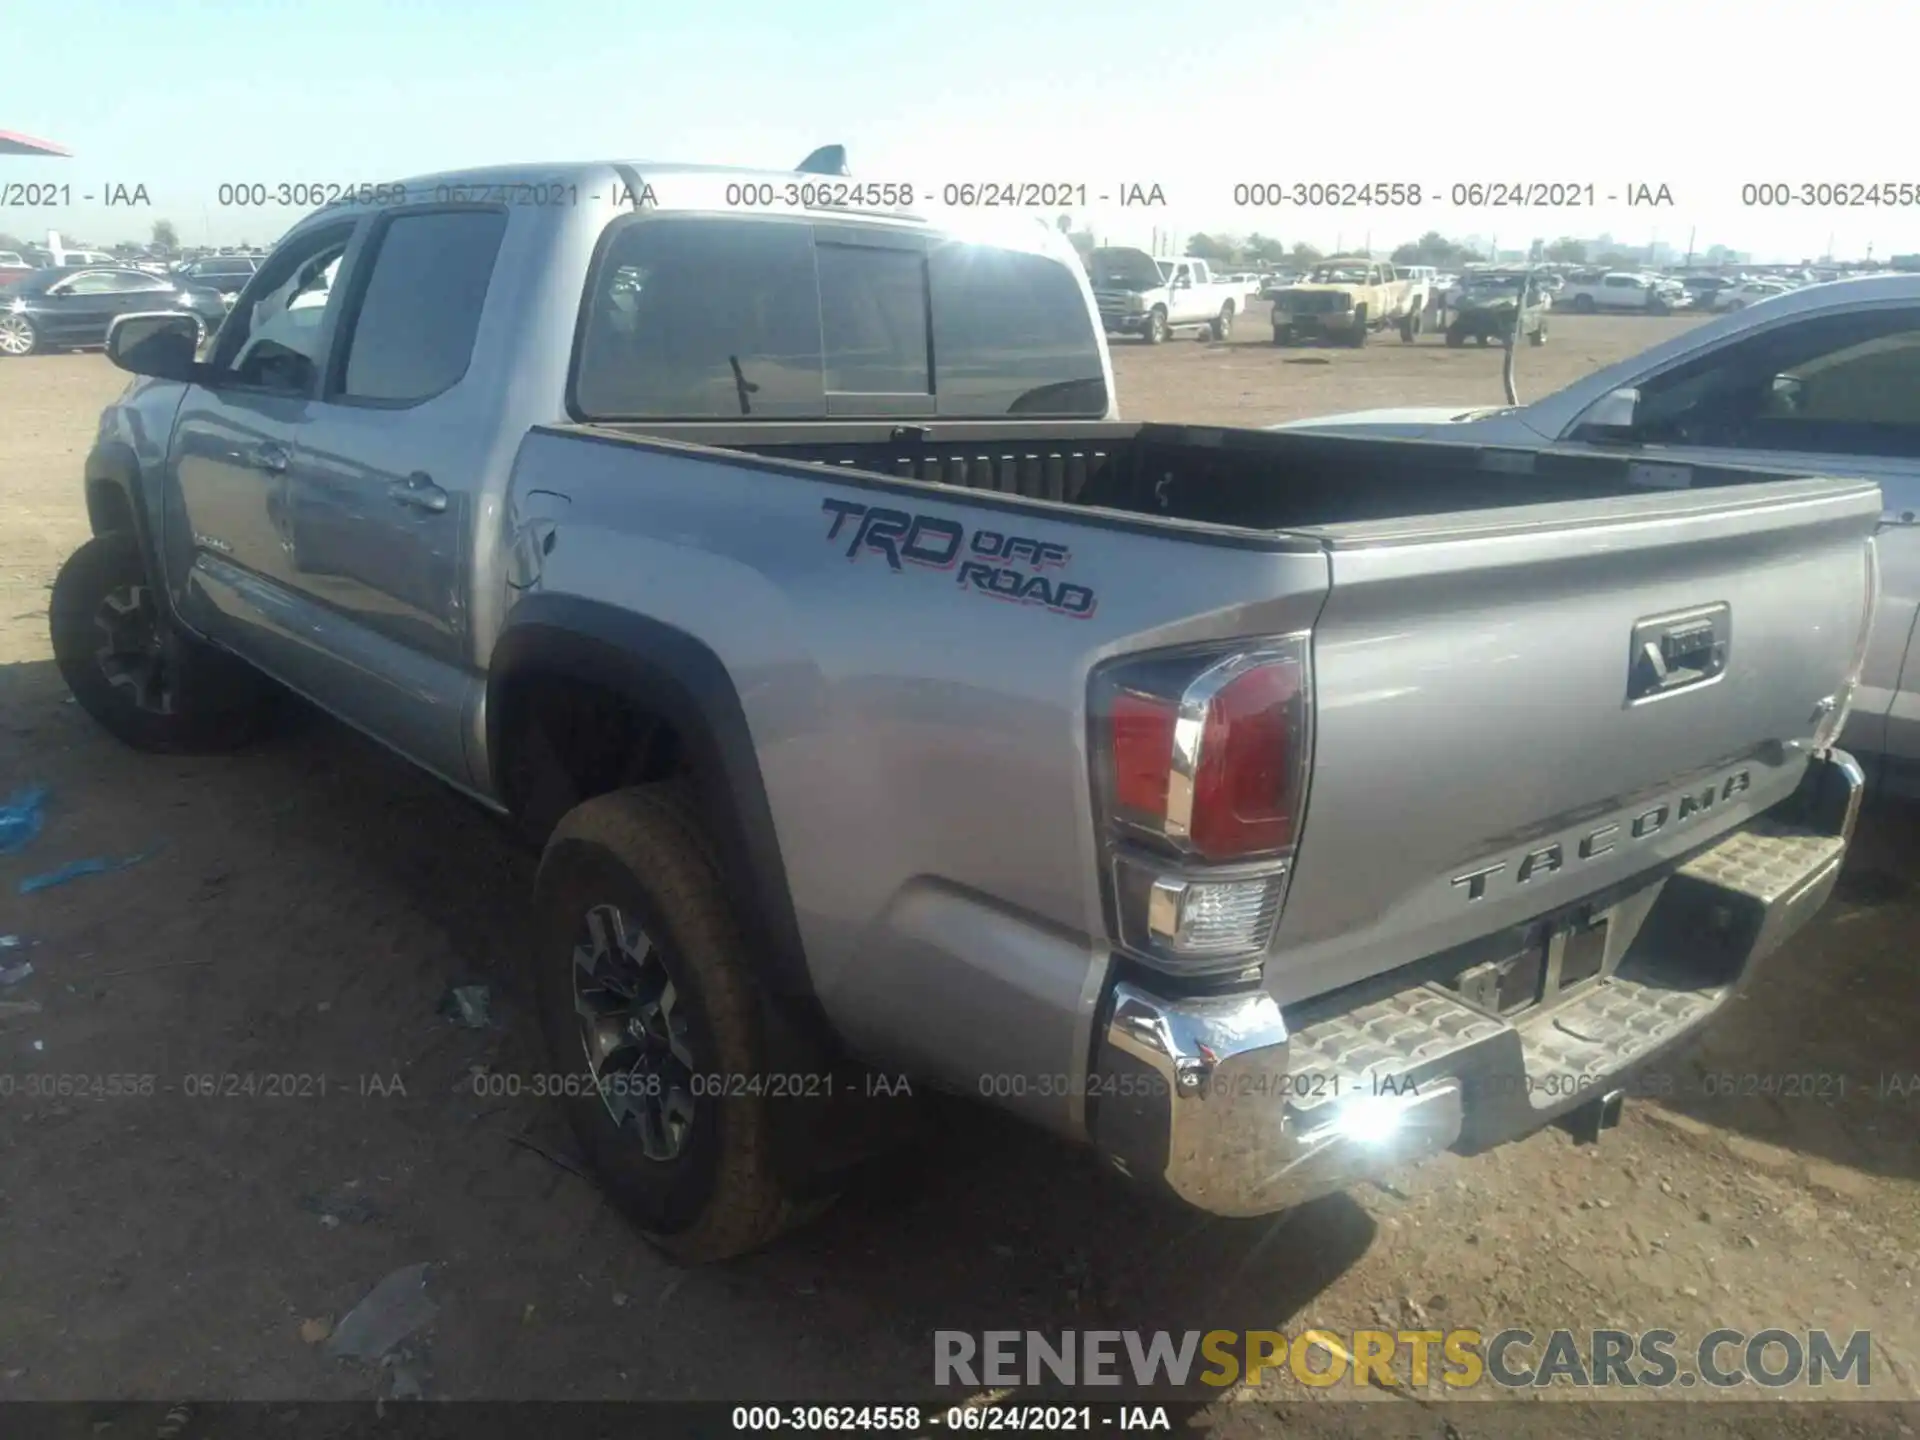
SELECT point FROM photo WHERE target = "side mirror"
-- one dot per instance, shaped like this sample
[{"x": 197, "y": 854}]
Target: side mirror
[
  {"x": 160, "y": 344},
  {"x": 1611, "y": 416}
]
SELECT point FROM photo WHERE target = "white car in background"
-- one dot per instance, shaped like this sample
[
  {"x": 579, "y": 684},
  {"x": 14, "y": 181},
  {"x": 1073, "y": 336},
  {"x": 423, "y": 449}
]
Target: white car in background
[
  {"x": 1248, "y": 282},
  {"x": 1748, "y": 292},
  {"x": 1820, "y": 380},
  {"x": 83, "y": 259}
]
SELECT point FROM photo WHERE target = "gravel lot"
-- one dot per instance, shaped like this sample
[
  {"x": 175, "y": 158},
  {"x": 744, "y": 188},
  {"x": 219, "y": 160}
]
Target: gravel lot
[{"x": 305, "y": 905}]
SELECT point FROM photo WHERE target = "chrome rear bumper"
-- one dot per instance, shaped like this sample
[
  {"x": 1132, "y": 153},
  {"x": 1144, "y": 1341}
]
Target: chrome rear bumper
[{"x": 1217, "y": 1098}]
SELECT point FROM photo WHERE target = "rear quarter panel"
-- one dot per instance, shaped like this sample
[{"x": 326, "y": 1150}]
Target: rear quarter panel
[{"x": 923, "y": 744}]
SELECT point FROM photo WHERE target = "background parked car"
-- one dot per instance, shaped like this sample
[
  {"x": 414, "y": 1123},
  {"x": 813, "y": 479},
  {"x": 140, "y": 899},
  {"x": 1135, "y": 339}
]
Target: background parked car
[
  {"x": 226, "y": 274},
  {"x": 55, "y": 309},
  {"x": 1818, "y": 381},
  {"x": 1488, "y": 305},
  {"x": 1704, "y": 288},
  {"x": 1623, "y": 290},
  {"x": 1747, "y": 292},
  {"x": 81, "y": 259}
]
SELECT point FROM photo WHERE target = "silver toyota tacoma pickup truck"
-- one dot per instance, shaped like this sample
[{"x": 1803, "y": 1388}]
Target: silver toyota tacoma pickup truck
[{"x": 1264, "y": 810}]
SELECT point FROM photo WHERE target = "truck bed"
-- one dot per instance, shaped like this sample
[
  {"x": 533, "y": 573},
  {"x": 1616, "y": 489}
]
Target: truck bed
[
  {"x": 1484, "y": 752},
  {"x": 1246, "y": 479}
]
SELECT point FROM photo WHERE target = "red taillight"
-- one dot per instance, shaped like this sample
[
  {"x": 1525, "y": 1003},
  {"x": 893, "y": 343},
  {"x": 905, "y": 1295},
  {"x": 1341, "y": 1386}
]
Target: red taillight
[
  {"x": 1141, "y": 744},
  {"x": 1200, "y": 766},
  {"x": 1242, "y": 787},
  {"x": 1205, "y": 751}
]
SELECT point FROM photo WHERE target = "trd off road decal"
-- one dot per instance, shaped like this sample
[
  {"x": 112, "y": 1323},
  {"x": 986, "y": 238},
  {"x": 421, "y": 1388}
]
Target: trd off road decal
[{"x": 985, "y": 561}]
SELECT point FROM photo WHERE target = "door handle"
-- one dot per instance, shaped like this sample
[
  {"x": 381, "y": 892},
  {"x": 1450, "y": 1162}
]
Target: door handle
[
  {"x": 419, "y": 492},
  {"x": 270, "y": 458}
]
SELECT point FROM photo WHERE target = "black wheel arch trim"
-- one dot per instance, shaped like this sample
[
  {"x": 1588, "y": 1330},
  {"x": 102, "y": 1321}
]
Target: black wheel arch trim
[
  {"x": 674, "y": 675},
  {"x": 113, "y": 484}
]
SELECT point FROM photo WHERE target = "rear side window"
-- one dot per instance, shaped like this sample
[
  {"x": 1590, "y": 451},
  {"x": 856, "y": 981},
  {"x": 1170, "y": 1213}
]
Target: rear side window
[
  {"x": 697, "y": 319},
  {"x": 1841, "y": 384},
  {"x": 413, "y": 334},
  {"x": 1011, "y": 336}
]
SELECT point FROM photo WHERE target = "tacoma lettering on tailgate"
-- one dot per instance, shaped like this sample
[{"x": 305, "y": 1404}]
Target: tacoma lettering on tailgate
[
  {"x": 985, "y": 561},
  {"x": 1548, "y": 859}
]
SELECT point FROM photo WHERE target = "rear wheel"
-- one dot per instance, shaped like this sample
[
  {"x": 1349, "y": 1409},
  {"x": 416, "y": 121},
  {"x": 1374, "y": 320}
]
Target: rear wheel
[
  {"x": 133, "y": 671},
  {"x": 1456, "y": 337},
  {"x": 1583, "y": 304},
  {"x": 1222, "y": 325},
  {"x": 1409, "y": 327},
  {"x": 1538, "y": 337},
  {"x": 18, "y": 335},
  {"x": 648, "y": 1000},
  {"x": 1283, "y": 335}
]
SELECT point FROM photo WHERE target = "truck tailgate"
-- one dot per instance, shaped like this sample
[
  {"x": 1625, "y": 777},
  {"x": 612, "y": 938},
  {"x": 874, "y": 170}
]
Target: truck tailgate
[{"x": 1492, "y": 741}]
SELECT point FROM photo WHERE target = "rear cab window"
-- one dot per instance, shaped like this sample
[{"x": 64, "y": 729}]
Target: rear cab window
[{"x": 699, "y": 317}]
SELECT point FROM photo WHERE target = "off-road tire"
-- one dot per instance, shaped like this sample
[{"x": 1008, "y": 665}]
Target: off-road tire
[
  {"x": 645, "y": 851},
  {"x": 215, "y": 703}
]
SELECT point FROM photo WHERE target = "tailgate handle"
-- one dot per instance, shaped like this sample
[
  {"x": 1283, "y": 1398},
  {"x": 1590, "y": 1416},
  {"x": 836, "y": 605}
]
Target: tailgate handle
[{"x": 1673, "y": 652}]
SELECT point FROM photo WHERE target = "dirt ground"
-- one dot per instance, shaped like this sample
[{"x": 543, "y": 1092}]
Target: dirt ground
[
  {"x": 1249, "y": 382},
  {"x": 303, "y": 907}
]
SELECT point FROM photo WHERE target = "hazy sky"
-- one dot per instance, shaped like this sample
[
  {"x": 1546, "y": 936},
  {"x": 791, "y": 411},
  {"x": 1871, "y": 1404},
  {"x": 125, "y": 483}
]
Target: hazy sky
[{"x": 182, "y": 96}]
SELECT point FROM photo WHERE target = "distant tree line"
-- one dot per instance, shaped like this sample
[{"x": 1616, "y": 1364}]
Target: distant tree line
[{"x": 1255, "y": 249}]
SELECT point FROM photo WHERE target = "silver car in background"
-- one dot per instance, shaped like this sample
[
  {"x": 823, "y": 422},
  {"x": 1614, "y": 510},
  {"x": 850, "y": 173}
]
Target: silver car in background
[{"x": 1821, "y": 380}]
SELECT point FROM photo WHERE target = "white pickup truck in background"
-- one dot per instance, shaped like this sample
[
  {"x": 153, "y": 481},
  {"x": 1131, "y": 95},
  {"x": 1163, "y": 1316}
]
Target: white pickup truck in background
[
  {"x": 1620, "y": 290},
  {"x": 1152, "y": 298}
]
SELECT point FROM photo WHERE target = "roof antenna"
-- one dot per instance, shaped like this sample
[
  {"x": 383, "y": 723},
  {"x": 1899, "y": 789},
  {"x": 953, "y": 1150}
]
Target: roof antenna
[{"x": 827, "y": 160}]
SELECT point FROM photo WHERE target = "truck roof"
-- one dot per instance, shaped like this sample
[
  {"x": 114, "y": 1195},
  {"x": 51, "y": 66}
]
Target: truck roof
[{"x": 686, "y": 188}]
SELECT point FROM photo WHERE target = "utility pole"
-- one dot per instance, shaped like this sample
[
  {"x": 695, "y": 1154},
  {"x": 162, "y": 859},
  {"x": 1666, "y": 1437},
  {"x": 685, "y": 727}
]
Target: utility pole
[{"x": 1691, "y": 234}]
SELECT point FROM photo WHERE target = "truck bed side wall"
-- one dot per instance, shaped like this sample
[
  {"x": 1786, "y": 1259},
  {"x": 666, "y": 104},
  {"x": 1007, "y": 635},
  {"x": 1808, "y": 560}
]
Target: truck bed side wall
[{"x": 922, "y": 742}]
